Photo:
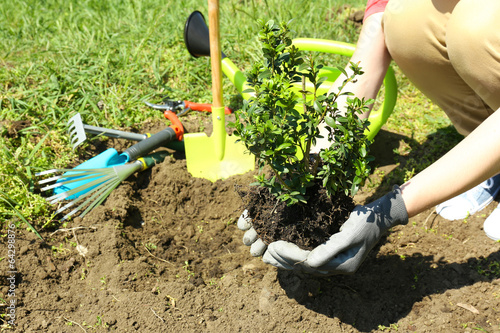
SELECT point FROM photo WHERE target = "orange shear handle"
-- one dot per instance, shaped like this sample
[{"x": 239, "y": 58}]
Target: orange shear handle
[
  {"x": 176, "y": 123},
  {"x": 204, "y": 107}
]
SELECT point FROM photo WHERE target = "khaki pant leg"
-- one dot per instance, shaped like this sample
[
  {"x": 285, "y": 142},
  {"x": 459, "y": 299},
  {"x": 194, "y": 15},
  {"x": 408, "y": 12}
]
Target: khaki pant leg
[
  {"x": 473, "y": 40},
  {"x": 416, "y": 37}
]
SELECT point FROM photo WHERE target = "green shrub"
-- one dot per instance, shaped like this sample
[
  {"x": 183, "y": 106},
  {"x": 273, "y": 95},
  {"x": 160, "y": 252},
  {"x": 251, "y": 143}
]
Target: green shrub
[{"x": 279, "y": 126}]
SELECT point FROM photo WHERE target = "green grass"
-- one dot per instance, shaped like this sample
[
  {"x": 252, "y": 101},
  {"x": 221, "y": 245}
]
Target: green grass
[{"x": 105, "y": 58}]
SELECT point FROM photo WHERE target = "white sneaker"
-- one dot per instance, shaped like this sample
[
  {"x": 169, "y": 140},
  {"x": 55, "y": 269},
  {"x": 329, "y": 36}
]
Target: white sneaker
[
  {"x": 470, "y": 202},
  {"x": 492, "y": 225}
]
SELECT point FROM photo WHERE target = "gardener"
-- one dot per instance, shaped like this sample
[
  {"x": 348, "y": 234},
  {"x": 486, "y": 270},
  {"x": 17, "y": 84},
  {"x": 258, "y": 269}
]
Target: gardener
[{"x": 450, "y": 50}]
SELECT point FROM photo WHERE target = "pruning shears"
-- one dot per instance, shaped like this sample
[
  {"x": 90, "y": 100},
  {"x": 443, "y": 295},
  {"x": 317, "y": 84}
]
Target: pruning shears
[{"x": 184, "y": 106}]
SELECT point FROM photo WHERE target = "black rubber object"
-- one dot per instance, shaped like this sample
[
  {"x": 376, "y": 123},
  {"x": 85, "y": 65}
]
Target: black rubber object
[{"x": 148, "y": 145}]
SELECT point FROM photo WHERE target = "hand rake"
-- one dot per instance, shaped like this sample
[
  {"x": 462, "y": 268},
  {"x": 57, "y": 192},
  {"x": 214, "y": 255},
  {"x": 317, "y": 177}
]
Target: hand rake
[
  {"x": 96, "y": 186},
  {"x": 77, "y": 131}
]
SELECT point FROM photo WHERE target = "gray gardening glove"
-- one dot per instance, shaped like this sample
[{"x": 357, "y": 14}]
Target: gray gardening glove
[
  {"x": 250, "y": 238},
  {"x": 345, "y": 251}
]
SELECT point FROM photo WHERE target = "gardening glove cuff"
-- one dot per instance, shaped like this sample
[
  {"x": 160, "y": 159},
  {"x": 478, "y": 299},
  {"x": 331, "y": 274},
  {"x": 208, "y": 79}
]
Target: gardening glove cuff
[
  {"x": 346, "y": 250},
  {"x": 391, "y": 208}
]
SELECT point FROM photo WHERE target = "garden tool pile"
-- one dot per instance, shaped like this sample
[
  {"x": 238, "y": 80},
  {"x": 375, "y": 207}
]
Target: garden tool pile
[{"x": 90, "y": 183}]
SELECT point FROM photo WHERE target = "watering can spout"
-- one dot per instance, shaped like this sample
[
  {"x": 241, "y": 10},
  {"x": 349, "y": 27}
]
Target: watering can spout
[{"x": 236, "y": 77}]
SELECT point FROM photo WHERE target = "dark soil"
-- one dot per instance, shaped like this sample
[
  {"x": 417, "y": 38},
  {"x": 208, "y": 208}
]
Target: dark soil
[
  {"x": 305, "y": 225},
  {"x": 12, "y": 128},
  {"x": 163, "y": 254}
]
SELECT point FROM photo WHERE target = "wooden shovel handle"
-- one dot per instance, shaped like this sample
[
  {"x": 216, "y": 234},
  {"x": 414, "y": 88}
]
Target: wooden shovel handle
[{"x": 215, "y": 53}]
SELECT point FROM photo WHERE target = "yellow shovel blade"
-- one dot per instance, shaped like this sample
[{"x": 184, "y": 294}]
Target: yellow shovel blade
[
  {"x": 218, "y": 156},
  {"x": 202, "y": 159}
]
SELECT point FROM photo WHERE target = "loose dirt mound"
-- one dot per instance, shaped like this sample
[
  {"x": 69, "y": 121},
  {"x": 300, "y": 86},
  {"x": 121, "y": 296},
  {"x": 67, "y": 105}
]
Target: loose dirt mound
[{"x": 163, "y": 254}]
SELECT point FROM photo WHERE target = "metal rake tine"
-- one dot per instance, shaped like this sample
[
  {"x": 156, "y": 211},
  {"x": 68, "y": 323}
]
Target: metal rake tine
[
  {"x": 100, "y": 193},
  {"x": 73, "y": 121},
  {"x": 58, "y": 197},
  {"x": 109, "y": 188},
  {"x": 96, "y": 193},
  {"x": 70, "y": 204},
  {"x": 71, "y": 129},
  {"x": 74, "y": 201},
  {"x": 65, "y": 217},
  {"x": 102, "y": 197},
  {"x": 73, "y": 176},
  {"x": 71, "y": 125},
  {"x": 72, "y": 179},
  {"x": 49, "y": 180},
  {"x": 79, "y": 171},
  {"x": 64, "y": 176},
  {"x": 69, "y": 180},
  {"x": 61, "y": 196},
  {"x": 73, "y": 136},
  {"x": 78, "y": 131},
  {"x": 92, "y": 195},
  {"x": 46, "y": 172},
  {"x": 74, "y": 211}
]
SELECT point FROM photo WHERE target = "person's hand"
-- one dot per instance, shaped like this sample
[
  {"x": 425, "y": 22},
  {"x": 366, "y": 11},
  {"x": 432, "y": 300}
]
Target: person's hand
[
  {"x": 250, "y": 238},
  {"x": 346, "y": 250},
  {"x": 286, "y": 255}
]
